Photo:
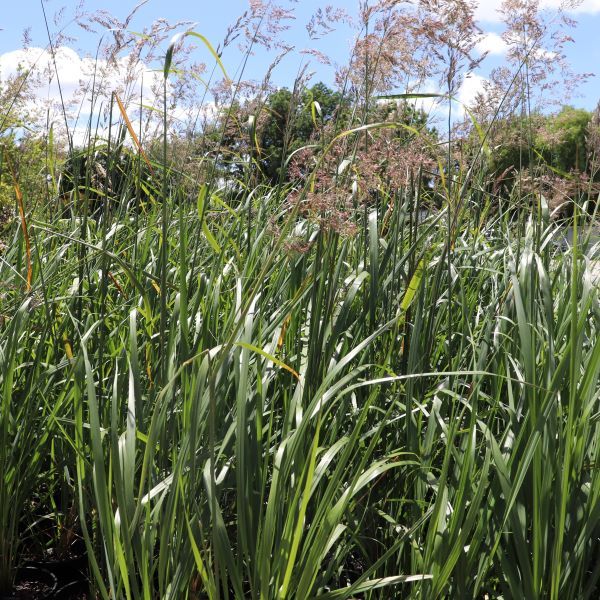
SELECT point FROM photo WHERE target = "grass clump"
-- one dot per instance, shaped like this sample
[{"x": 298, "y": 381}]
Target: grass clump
[
  {"x": 314, "y": 383},
  {"x": 317, "y": 422}
]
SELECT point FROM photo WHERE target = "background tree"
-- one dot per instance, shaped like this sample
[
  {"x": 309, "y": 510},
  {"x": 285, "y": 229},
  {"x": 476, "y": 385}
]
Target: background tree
[
  {"x": 562, "y": 139},
  {"x": 265, "y": 133},
  {"x": 291, "y": 122}
]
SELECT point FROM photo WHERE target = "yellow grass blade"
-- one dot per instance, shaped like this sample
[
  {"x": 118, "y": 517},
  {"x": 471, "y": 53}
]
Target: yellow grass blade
[
  {"x": 132, "y": 133},
  {"x": 23, "y": 221}
]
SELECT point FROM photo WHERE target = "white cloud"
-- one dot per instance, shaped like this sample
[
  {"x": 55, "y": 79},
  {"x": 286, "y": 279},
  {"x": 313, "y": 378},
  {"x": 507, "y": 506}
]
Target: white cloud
[
  {"x": 134, "y": 82},
  {"x": 437, "y": 108},
  {"x": 585, "y": 7},
  {"x": 71, "y": 69},
  {"x": 471, "y": 86},
  {"x": 492, "y": 43},
  {"x": 76, "y": 77},
  {"x": 487, "y": 10},
  {"x": 428, "y": 105},
  {"x": 542, "y": 53}
]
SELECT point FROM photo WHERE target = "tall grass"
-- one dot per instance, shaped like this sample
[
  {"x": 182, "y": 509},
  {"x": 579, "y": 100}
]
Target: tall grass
[
  {"x": 231, "y": 418},
  {"x": 308, "y": 424}
]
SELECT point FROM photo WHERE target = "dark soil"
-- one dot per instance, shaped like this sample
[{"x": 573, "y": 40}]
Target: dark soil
[{"x": 65, "y": 579}]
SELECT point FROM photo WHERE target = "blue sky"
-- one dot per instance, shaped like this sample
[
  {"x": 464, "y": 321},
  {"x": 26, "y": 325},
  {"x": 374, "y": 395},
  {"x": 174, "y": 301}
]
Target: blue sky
[{"x": 212, "y": 18}]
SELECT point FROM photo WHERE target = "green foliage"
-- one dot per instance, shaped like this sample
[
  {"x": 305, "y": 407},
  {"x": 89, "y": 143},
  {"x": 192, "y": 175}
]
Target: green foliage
[
  {"x": 511, "y": 147},
  {"x": 313, "y": 422},
  {"x": 7, "y": 190},
  {"x": 106, "y": 178},
  {"x": 244, "y": 397},
  {"x": 557, "y": 141},
  {"x": 261, "y": 135},
  {"x": 27, "y": 157},
  {"x": 562, "y": 141},
  {"x": 292, "y": 122}
]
